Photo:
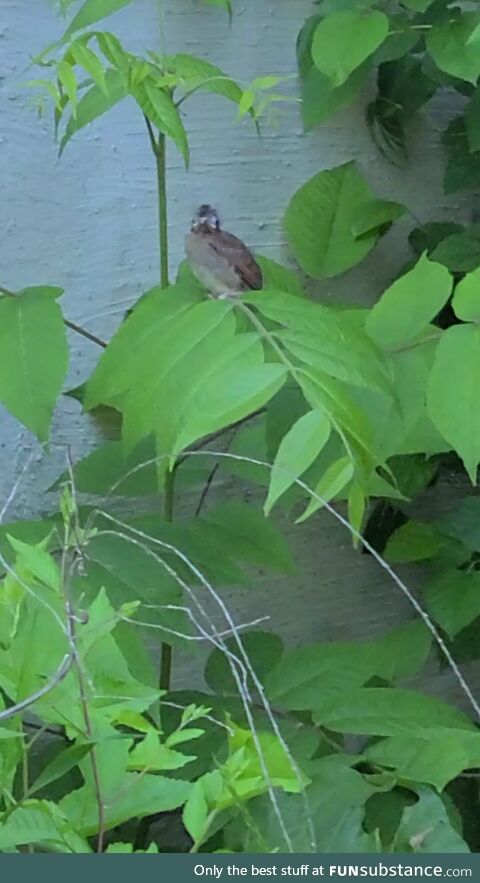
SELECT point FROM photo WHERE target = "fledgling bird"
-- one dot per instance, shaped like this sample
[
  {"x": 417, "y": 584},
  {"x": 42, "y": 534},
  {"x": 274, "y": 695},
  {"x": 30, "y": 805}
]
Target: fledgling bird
[{"x": 220, "y": 260}]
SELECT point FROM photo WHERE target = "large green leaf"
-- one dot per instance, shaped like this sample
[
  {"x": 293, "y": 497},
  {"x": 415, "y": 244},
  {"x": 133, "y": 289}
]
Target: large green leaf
[
  {"x": 453, "y": 599},
  {"x": 319, "y": 221},
  {"x": 297, "y": 451},
  {"x": 344, "y": 40},
  {"x": 336, "y": 809},
  {"x": 92, "y": 11},
  {"x": 263, "y": 650},
  {"x": 334, "y": 480},
  {"x": 320, "y": 99},
  {"x": 204, "y": 376},
  {"x": 326, "y": 340},
  {"x": 414, "y": 541},
  {"x": 466, "y": 299},
  {"x": 449, "y": 44},
  {"x": 426, "y": 827},
  {"x": 30, "y": 824},
  {"x": 435, "y": 758},
  {"x": 382, "y": 711},
  {"x": 307, "y": 673},
  {"x": 452, "y": 399},
  {"x": 135, "y": 796},
  {"x": 244, "y": 534},
  {"x": 134, "y": 350},
  {"x": 33, "y": 357},
  {"x": 228, "y": 396},
  {"x": 409, "y": 305}
]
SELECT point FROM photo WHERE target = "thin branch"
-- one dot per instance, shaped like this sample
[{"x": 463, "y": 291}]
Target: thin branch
[
  {"x": 84, "y": 333},
  {"x": 211, "y": 476}
]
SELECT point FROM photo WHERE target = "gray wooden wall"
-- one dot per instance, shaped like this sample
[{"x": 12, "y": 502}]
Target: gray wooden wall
[{"x": 88, "y": 223}]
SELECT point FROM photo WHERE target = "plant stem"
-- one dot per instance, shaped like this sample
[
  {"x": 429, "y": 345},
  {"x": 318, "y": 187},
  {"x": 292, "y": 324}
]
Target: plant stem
[
  {"x": 159, "y": 151},
  {"x": 162, "y": 208},
  {"x": 166, "y": 652}
]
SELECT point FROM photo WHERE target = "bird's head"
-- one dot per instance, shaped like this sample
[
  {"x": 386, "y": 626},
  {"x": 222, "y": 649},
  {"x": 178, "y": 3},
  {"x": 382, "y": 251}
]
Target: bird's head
[{"x": 206, "y": 216}]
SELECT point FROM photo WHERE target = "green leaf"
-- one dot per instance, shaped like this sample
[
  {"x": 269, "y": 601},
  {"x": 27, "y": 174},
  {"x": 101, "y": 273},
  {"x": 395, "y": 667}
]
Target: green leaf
[
  {"x": 65, "y": 760},
  {"x": 33, "y": 358},
  {"x": 466, "y": 298},
  {"x": 142, "y": 335},
  {"x": 463, "y": 523},
  {"x": 320, "y": 99},
  {"x": 308, "y": 673},
  {"x": 414, "y": 541},
  {"x": 335, "y": 479},
  {"x": 344, "y": 40},
  {"x": 68, "y": 80},
  {"x": 160, "y": 109},
  {"x": 452, "y": 393},
  {"x": 37, "y": 562},
  {"x": 376, "y": 215},
  {"x": 279, "y": 277},
  {"x": 426, "y": 828},
  {"x": 134, "y": 796},
  {"x": 29, "y": 825},
  {"x": 408, "y": 306},
  {"x": 87, "y": 59},
  {"x": 243, "y": 533},
  {"x": 435, "y": 759},
  {"x": 297, "y": 451},
  {"x": 448, "y": 43},
  {"x": 264, "y": 651},
  {"x": 460, "y": 252},
  {"x": 337, "y": 800},
  {"x": 195, "y": 74},
  {"x": 227, "y": 397},
  {"x": 401, "y": 39},
  {"x": 382, "y": 711},
  {"x": 463, "y": 167},
  {"x": 325, "y": 339},
  {"x": 92, "y": 11},
  {"x": 429, "y": 236},
  {"x": 95, "y": 103},
  {"x": 453, "y": 599},
  {"x": 203, "y": 376},
  {"x": 319, "y": 220}
]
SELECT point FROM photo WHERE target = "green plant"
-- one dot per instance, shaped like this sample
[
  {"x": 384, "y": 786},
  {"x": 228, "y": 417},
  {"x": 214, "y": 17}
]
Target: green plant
[{"x": 315, "y": 404}]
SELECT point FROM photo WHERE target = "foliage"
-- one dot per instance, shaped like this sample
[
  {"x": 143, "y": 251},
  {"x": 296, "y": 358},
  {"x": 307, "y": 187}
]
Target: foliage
[{"x": 318, "y": 404}]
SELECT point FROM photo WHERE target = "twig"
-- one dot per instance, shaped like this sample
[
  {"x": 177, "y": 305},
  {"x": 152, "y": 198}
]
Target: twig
[
  {"x": 84, "y": 333},
  {"x": 212, "y": 474}
]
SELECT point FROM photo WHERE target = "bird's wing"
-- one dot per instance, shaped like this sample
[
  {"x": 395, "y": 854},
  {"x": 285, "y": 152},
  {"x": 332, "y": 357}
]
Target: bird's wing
[{"x": 238, "y": 256}]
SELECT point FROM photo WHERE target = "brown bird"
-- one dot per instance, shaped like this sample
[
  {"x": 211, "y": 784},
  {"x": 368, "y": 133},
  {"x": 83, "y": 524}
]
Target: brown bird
[{"x": 219, "y": 260}]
